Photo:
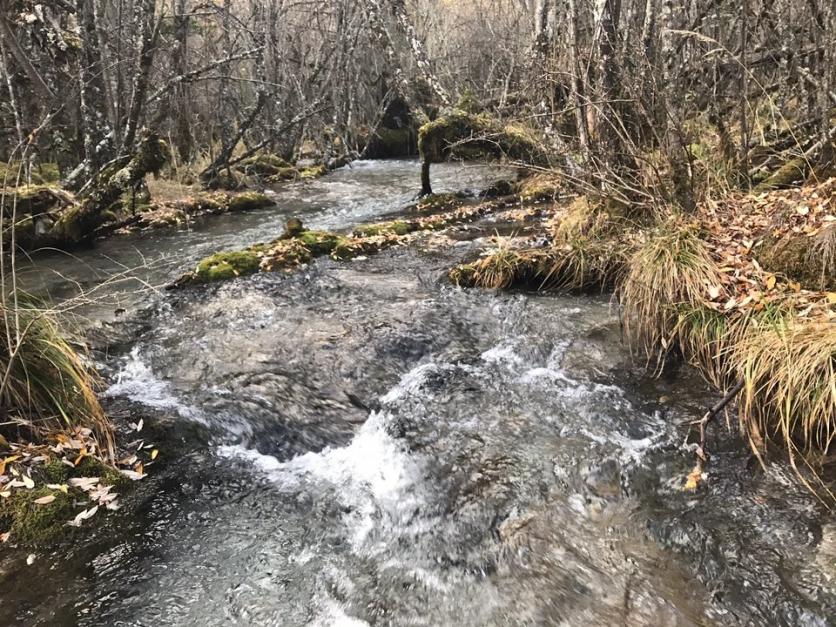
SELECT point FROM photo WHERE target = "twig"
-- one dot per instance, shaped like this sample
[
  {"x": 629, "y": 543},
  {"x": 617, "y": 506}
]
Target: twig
[{"x": 711, "y": 414}]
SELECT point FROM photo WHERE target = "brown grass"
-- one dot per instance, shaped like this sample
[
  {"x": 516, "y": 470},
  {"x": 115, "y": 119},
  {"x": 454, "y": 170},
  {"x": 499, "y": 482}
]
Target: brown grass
[
  {"x": 672, "y": 269},
  {"x": 46, "y": 383},
  {"x": 789, "y": 370}
]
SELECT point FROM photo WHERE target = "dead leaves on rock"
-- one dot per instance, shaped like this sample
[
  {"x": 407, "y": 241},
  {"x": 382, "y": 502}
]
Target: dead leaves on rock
[{"x": 25, "y": 468}]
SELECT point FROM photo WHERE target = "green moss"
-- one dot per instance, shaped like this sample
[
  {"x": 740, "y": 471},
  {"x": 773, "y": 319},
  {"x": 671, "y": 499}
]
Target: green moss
[
  {"x": 42, "y": 174},
  {"x": 792, "y": 172},
  {"x": 247, "y": 201},
  {"x": 30, "y": 522},
  {"x": 227, "y": 265},
  {"x": 396, "y": 227},
  {"x": 283, "y": 174},
  {"x": 463, "y": 135},
  {"x": 319, "y": 242},
  {"x": 92, "y": 467},
  {"x": 313, "y": 172},
  {"x": 56, "y": 472},
  {"x": 264, "y": 165}
]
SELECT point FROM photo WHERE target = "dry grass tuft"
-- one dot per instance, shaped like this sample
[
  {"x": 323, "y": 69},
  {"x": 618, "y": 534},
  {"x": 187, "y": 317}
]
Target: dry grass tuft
[
  {"x": 823, "y": 253},
  {"x": 672, "y": 269},
  {"x": 46, "y": 384},
  {"x": 505, "y": 267},
  {"x": 789, "y": 371}
]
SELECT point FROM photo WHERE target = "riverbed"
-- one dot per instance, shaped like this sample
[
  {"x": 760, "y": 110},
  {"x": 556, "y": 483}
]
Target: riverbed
[{"x": 362, "y": 443}]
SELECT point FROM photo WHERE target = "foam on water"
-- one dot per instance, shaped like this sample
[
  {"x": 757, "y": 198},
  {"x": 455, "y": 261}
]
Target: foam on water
[{"x": 137, "y": 382}]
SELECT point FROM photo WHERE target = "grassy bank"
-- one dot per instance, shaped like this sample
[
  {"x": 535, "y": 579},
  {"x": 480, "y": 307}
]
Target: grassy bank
[
  {"x": 58, "y": 456},
  {"x": 741, "y": 289}
]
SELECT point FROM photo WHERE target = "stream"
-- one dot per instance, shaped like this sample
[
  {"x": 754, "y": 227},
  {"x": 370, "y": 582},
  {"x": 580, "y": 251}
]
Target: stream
[{"x": 363, "y": 444}]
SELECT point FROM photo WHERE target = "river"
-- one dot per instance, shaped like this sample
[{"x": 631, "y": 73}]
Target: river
[{"x": 363, "y": 444}]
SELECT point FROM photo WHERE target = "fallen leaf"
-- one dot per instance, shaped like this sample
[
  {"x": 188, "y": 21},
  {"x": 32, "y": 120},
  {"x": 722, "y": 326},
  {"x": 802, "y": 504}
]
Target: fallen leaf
[
  {"x": 27, "y": 481},
  {"x": 695, "y": 478},
  {"x": 6, "y": 494},
  {"x": 4, "y": 537},
  {"x": 831, "y": 298},
  {"x": 132, "y": 474},
  {"x": 770, "y": 281},
  {"x": 30, "y": 559},
  {"x": 82, "y": 516},
  {"x": 63, "y": 487},
  {"x": 45, "y": 500},
  {"x": 81, "y": 455},
  {"x": 83, "y": 483},
  {"x": 154, "y": 454}
]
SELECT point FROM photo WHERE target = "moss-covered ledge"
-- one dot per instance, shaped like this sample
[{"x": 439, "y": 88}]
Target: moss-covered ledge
[{"x": 298, "y": 246}]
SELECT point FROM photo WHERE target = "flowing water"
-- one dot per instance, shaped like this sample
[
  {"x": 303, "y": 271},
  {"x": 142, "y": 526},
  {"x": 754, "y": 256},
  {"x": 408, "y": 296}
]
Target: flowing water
[{"x": 363, "y": 444}]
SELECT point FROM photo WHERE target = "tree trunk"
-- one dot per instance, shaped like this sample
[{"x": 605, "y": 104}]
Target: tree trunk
[
  {"x": 578, "y": 83},
  {"x": 675, "y": 150},
  {"x": 149, "y": 31},
  {"x": 426, "y": 186}
]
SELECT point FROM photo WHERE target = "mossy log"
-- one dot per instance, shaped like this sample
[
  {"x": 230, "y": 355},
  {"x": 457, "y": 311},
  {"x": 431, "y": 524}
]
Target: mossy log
[
  {"x": 791, "y": 173},
  {"x": 79, "y": 224},
  {"x": 457, "y": 134},
  {"x": 807, "y": 260}
]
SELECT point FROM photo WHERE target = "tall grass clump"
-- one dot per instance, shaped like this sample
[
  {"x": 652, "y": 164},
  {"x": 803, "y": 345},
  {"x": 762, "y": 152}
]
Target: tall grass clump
[
  {"x": 789, "y": 374},
  {"x": 663, "y": 294},
  {"x": 46, "y": 385}
]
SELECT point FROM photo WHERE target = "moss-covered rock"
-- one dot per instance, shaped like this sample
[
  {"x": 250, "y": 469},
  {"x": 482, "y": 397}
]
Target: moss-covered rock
[
  {"x": 459, "y": 134},
  {"x": 313, "y": 172},
  {"x": 94, "y": 467},
  {"x": 30, "y": 522},
  {"x": 799, "y": 259},
  {"x": 227, "y": 265},
  {"x": 319, "y": 242},
  {"x": 247, "y": 201},
  {"x": 55, "y": 471},
  {"x": 396, "y": 227}
]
